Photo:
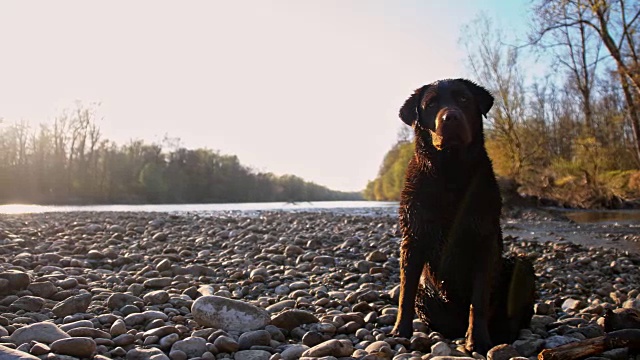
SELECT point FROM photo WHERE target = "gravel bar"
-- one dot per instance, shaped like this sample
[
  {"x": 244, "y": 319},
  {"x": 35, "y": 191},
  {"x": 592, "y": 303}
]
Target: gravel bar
[{"x": 270, "y": 285}]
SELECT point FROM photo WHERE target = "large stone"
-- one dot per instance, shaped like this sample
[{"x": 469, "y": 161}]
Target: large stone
[
  {"x": 167, "y": 341},
  {"x": 157, "y": 283},
  {"x": 117, "y": 229},
  {"x": 76, "y": 324},
  {"x": 89, "y": 332},
  {"x": 164, "y": 265},
  {"x": 228, "y": 314},
  {"x": 394, "y": 293},
  {"x": 82, "y": 347},
  {"x": 160, "y": 236},
  {"x": 124, "y": 340},
  {"x": 95, "y": 255},
  {"x": 377, "y": 256},
  {"x": 146, "y": 354},
  {"x": 28, "y": 303},
  {"x": 72, "y": 305},
  {"x": 226, "y": 344},
  {"x": 178, "y": 355},
  {"x": 617, "y": 354},
  {"x": 39, "y": 349},
  {"x": 572, "y": 304},
  {"x": 364, "y": 266},
  {"x": 293, "y": 318},
  {"x": 333, "y": 347},
  {"x": 161, "y": 331},
  {"x": 294, "y": 352},
  {"x": 528, "y": 347},
  {"x": 192, "y": 346},
  {"x": 557, "y": 340},
  {"x": 252, "y": 355},
  {"x": 502, "y": 352},
  {"x": 324, "y": 260},
  {"x": 279, "y": 306},
  {"x": 252, "y": 338},
  {"x": 118, "y": 300},
  {"x": 12, "y": 354},
  {"x": 376, "y": 346},
  {"x": 17, "y": 280},
  {"x": 44, "y": 332},
  {"x": 440, "y": 349},
  {"x": 118, "y": 328},
  {"x": 200, "y": 270},
  {"x": 44, "y": 289},
  {"x": 206, "y": 290},
  {"x": 141, "y": 318},
  {"x": 156, "y": 297},
  {"x": 4, "y": 285}
]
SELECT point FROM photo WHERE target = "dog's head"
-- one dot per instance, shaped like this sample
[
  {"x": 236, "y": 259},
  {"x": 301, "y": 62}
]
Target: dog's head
[{"x": 448, "y": 111}]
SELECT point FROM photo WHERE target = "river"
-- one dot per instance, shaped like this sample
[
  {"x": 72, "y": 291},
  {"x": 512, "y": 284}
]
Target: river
[{"x": 373, "y": 207}]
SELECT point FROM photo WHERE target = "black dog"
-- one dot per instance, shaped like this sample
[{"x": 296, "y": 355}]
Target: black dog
[{"x": 452, "y": 271}]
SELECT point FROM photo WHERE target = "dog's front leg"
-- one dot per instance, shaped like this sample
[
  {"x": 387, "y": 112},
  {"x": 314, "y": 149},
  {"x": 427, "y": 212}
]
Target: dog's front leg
[
  {"x": 412, "y": 260},
  {"x": 477, "y": 337}
]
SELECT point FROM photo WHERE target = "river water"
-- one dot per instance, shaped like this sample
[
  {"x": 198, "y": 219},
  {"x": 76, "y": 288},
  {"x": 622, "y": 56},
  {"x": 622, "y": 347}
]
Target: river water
[
  {"x": 358, "y": 207},
  {"x": 372, "y": 207},
  {"x": 603, "y": 216}
]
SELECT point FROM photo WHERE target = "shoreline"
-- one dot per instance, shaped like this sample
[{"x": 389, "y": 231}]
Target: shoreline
[{"x": 129, "y": 282}]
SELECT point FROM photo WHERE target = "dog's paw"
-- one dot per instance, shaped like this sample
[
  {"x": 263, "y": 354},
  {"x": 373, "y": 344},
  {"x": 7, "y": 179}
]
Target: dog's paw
[
  {"x": 402, "y": 330},
  {"x": 479, "y": 343},
  {"x": 479, "y": 348}
]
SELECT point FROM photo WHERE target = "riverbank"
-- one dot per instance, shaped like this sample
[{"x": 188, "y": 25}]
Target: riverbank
[
  {"x": 608, "y": 229},
  {"x": 123, "y": 285}
]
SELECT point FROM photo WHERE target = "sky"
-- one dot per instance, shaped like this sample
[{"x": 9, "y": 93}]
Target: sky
[{"x": 310, "y": 88}]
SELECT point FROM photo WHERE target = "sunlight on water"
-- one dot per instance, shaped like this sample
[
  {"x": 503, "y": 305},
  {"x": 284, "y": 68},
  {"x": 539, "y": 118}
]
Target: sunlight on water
[
  {"x": 203, "y": 208},
  {"x": 21, "y": 209}
]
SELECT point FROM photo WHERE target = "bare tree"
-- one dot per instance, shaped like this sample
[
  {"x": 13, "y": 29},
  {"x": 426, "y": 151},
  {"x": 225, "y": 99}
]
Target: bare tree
[
  {"x": 496, "y": 65},
  {"x": 632, "y": 111},
  {"x": 576, "y": 48},
  {"x": 616, "y": 23}
]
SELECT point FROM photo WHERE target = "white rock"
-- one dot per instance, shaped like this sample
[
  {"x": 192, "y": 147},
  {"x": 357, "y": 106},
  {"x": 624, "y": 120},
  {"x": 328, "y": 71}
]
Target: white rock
[{"x": 228, "y": 314}]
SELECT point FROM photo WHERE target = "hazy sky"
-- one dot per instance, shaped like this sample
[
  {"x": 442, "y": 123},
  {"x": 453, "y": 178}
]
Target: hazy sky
[{"x": 310, "y": 88}]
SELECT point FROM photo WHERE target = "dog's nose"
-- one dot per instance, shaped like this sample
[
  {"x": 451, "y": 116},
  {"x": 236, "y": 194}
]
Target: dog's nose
[{"x": 450, "y": 116}]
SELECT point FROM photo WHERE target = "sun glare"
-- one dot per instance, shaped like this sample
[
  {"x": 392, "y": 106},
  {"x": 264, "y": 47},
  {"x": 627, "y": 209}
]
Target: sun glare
[{"x": 22, "y": 209}]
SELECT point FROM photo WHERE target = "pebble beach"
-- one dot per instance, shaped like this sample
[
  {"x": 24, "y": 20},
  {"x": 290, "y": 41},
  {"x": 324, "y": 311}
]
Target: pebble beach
[{"x": 267, "y": 286}]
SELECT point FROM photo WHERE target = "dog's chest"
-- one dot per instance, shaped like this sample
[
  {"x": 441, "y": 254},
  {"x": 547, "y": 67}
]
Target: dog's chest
[{"x": 454, "y": 203}]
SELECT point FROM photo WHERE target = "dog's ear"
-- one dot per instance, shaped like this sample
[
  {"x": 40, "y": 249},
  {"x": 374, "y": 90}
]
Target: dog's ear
[
  {"x": 483, "y": 97},
  {"x": 409, "y": 111}
]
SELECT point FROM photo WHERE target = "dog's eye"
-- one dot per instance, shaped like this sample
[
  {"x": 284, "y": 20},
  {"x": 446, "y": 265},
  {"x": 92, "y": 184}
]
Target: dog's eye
[
  {"x": 463, "y": 98},
  {"x": 431, "y": 104}
]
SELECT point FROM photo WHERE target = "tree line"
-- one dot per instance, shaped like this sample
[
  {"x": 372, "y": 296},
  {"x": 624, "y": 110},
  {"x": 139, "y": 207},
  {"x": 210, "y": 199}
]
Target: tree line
[
  {"x": 565, "y": 125},
  {"x": 70, "y": 162}
]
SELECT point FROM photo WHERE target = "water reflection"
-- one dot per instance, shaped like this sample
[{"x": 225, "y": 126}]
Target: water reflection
[{"x": 610, "y": 216}]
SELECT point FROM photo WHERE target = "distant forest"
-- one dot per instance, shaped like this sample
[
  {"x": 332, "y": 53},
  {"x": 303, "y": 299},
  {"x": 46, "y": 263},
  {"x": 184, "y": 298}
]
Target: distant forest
[
  {"x": 69, "y": 162},
  {"x": 568, "y": 132}
]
